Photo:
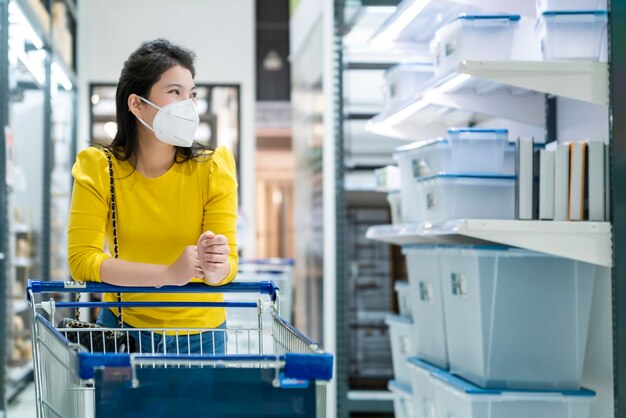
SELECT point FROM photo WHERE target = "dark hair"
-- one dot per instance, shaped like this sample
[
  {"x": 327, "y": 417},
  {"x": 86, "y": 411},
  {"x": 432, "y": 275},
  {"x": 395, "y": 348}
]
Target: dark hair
[{"x": 141, "y": 71}]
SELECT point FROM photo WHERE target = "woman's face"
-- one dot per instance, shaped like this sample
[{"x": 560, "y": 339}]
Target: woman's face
[{"x": 174, "y": 85}]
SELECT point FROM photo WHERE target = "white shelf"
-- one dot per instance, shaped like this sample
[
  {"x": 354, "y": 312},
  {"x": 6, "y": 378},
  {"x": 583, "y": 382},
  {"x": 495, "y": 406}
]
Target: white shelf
[
  {"x": 584, "y": 241},
  {"x": 22, "y": 262},
  {"x": 480, "y": 90},
  {"x": 21, "y": 228},
  {"x": 415, "y": 22},
  {"x": 370, "y": 395},
  {"x": 19, "y": 305},
  {"x": 585, "y": 81},
  {"x": 18, "y": 374}
]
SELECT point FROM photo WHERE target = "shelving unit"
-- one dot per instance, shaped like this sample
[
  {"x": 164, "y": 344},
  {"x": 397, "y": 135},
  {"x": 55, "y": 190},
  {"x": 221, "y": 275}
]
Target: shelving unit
[
  {"x": 399, "y": 32},
  {"x": 477, "y": 93},
  {"x": 38, "y": 90},
  {"x": 480, "y": 90},
  {"x": 590, "y": 242}
]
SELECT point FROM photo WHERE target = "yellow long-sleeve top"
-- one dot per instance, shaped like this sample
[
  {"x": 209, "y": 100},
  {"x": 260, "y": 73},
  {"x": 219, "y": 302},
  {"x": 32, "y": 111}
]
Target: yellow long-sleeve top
[{"x": 156, "y": 219}]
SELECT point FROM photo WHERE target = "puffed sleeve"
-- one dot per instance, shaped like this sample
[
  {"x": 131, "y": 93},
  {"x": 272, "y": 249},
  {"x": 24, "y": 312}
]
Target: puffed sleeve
[
  {"x": 220, "y": 209},
  {"x": 89, "y": 213}
]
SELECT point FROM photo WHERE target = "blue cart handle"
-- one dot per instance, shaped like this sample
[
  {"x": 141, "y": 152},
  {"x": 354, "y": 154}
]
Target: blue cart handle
[{"x": 264, "y": 287}]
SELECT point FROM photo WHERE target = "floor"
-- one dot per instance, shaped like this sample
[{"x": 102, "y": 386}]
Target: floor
[{"x": 24, "y": 405}]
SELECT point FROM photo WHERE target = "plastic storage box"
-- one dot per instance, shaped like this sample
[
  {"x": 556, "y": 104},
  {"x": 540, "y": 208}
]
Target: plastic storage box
[
  {"x": 395, "y": 207},
  {"x": 428, "y": 313},
  {"x": 403, "y": 343},
  {"x": 473, "y": 37},
  {"x": 453, "y": 196},
  {"x": 402, "y": 399},
  {"x": 458, "y": 398},
  {"x": 403, "y": 292},
  {"x": 577, "y": 35},
  {"x": 405, "y": 81},
  {"x": 424, "y": 399},
  {"x": 477, "y": 150},
  {"x": 569, "y": 5},
  {"x": 388, "y": 178},
  {"x": 515, "y": 318}
]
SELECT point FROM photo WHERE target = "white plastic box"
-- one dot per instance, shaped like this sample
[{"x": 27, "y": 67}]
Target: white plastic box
[
  {"x": 457, "y": 398},
  {"x": 514, "y": 318},
  {"x": 402, "y": 399},
  {"x": 405, "y": 81},
  {"x": 475, "y": 150},
  {"x": 569, "y": 5},
  {"x": 424, "y": 399},
  {"x": 468, "y": 151},
  {"x": 573, "y": 35},
  {"x": 450, "y": 196},
  {"x": 423, "y": 265},
  {"x": 404, "y": 295},
  {"x": 473, "y": 37},
  {"x": 388, "y": 178},
  {"x": 395, "y": 207},
  {"x": 403, "y": 343}
]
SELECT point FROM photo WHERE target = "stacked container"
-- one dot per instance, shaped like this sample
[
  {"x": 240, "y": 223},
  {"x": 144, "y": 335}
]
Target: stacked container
[
  {"x": 510, "y": 325},
  {"x": 404, "y": 82},
  {"x": 467, "y": 37},
  {"x": 403, "y": 346},
  {"x": 456, "y": 177},
  {"x": 572, "y": 30},
  {"x": 441, "y": 394}
]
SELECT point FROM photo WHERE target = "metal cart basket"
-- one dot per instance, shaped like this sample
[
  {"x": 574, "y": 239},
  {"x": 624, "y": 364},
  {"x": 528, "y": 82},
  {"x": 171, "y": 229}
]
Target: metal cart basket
[{"x": 247, "y": 379}]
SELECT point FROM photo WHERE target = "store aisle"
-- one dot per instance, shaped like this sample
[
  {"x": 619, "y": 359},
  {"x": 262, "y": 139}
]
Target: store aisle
[{"x": 24, "y": 405}]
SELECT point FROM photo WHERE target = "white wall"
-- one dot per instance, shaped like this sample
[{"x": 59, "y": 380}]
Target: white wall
[{"x": 222, "y": 33}]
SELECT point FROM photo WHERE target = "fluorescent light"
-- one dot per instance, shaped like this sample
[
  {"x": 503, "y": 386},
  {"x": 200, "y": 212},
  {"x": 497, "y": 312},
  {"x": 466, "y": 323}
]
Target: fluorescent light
[
  {"x": 453, "y": 83},
  {"x": 380, "y": 9},
  {"x": 407, "y": 111},
  {"x": 25, "y": 25},
  {"x": 59, "y": 75},
  {"x": 389, "y": 34},
  {"x": 111, "y": 129},
  {"x": 37, "y": 73}
]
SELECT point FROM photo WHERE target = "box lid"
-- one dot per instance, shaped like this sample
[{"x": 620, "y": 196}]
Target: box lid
[
  {"x": 466, "y": 176},
  {"x": 465, "y": 16}
]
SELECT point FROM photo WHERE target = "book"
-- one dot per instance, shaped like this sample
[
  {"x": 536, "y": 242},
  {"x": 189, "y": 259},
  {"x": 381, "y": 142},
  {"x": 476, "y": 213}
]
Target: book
[
  {"x": 607, "y": 182},
  {"x": 595, "y": 181},
  {"x": 561, "y": 179},
  {"x": 524, "y": 179},
  {"x": 578, "y": 152},
  {"x": 546, "y": 184}
]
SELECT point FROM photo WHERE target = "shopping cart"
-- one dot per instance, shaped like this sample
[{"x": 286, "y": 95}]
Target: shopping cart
[{"x": 249, "y": 380}]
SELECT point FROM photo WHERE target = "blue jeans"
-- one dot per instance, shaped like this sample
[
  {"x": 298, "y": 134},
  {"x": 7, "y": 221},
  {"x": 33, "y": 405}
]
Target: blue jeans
[{"x": 208, "y": 342}]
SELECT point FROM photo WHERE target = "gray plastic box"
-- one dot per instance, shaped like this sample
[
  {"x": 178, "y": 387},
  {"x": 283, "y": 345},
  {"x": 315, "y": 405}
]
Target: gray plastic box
[{"x": 514, "y": 318}]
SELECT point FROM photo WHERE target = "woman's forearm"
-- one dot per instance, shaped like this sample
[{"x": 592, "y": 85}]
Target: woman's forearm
[{"x": 126, "y": 273}]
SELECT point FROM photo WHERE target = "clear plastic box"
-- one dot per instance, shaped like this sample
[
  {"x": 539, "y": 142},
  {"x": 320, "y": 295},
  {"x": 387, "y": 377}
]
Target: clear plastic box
[
  {"x": 405, "y": 81},
  {"x": 436, "y": 156},
  {"x": 578, "y": 35},
  {"x": 452, "y": 196},
  {"x": 395, "y": 207},
  {"x": 424, "y": 399},
  {"x": 403, "y": 292},
  {"x": 428, "y": 313},
  {"x": 403, "y": 343},
  {"x": 402, "y": 399},
  {"x": 458, "y": 398},
  {"x": 516, "y": 319},
  {"x": 569, "y": 5},
  {"x": 473, "y": 37},
  {"x": 477, "y": 150}
]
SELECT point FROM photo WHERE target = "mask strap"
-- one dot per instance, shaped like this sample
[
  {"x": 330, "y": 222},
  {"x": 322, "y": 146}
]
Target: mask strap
[{"x": 149, "y": 102}]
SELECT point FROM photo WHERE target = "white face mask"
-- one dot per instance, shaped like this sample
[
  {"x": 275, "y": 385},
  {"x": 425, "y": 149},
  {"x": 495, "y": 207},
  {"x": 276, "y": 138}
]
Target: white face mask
[{"x": 176, "y": 123}]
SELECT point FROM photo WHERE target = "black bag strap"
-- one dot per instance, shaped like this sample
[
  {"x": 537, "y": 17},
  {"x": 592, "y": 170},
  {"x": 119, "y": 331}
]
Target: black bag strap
[{"x": 114, "y": 221}]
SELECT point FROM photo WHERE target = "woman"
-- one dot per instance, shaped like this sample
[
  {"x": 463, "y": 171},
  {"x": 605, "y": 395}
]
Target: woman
[{"x": 175, "y": 205}]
